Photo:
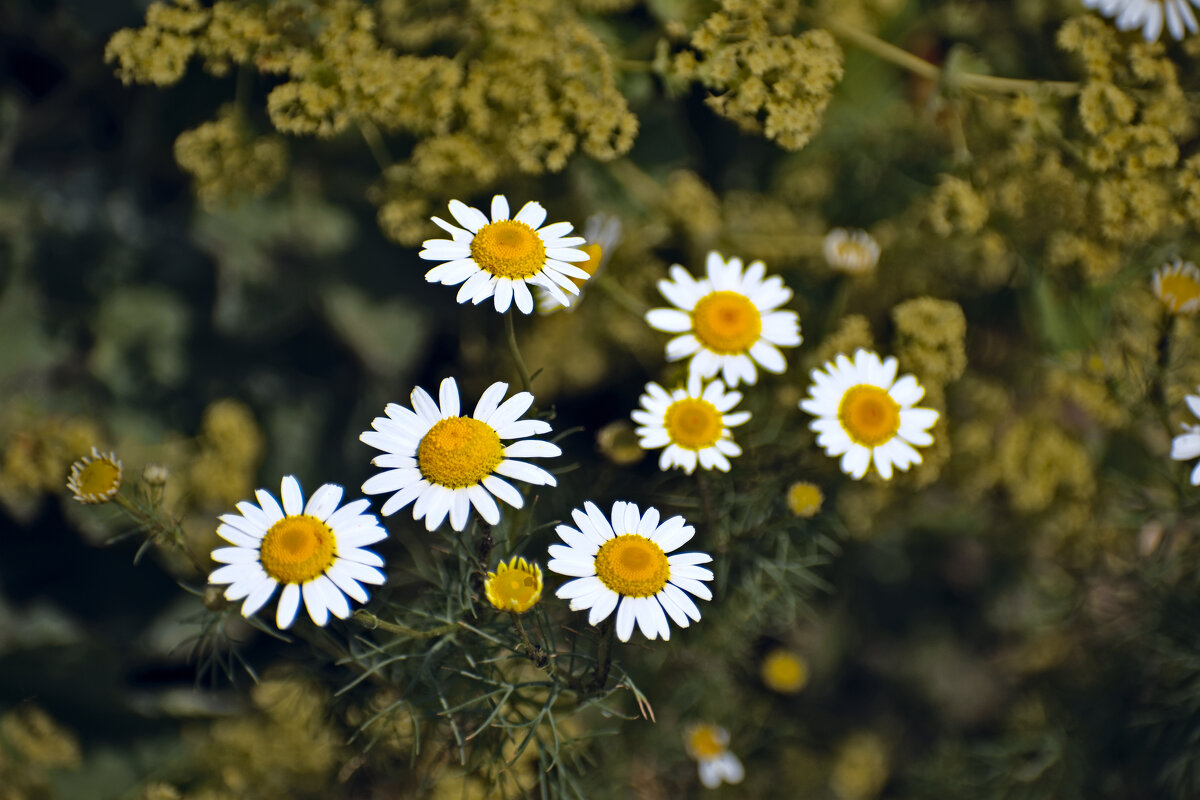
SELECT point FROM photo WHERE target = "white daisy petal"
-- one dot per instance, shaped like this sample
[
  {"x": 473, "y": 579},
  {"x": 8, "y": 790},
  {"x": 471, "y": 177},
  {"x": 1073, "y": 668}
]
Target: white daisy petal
[
  {"x": 289, "y": 602},
  {"x": 269, "y": 505},
  {"x": 293, "y": 500},
  {"x": 314, "y": 601},
  {"x": 625, "y": 619},
  {"x": 324, "y": 501}
]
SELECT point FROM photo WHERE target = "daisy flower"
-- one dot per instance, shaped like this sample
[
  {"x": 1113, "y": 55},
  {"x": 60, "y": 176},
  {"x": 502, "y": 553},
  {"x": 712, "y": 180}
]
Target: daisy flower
[
  {"x": 865, "y": 415},
  {"x": 854, "y": 252},
  {"x": 315, "y": 550},
  {"x": 515, "y": 586},
  {"x": 1186, "y": 445},
  {"x": 501, "y": 258},
  {"x": 96, "y": 478},
  {"x": 623, "y": 564},
  {"x": 784, "y": 671},
  {"x": 1177, "y": 286},
  {"x": 728, "y": 321},
  {"x": 444, "y": 463},
  {"x": 691, "y": 424},
  {"x": 709, "y": 745},
  {"x": 602, "y": 233},
  {"x": 1149, "y": 15}
]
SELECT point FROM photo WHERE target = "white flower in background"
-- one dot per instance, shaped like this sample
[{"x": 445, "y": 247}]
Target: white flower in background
[
  {"x": 709, "y": 745},
  {"x": 502, "y": 257},
  {"x": 1177, "y": 286},
  {"x": 1186, "y": 445},
  {"x": 729, "y": 320},
  {"x": 854, "y": 252},
  {"x": 314, "y": 550},
  {"x": 865, "y": 415},
  {"x": 692, "y": 424},
  {"x": 602, "y": 233},
  {"x": 444, "y": 463},
  {"x": 622, "y": 563},
  {"x": 96, "y": 478},
  {"x": 1149, "y": 15}
]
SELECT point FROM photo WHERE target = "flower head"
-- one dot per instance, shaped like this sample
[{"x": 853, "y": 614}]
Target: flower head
[
  {"x": 96, "y": 478},
  {"x": 500, "y": 258},
  {"x": 854, "y": 252},
  {"x": 864, "y": 414},
  {"x": 515, "y": 586},
  {"x": 1186, "y": 445},
  {"x": 691, "y": 424},
  {"x": 1177, "y": 287},
  {"x": 1149, "y": 15},
  {"x": 602, "y": 233},
  {"x": 622, "y": 563},
  {"x": 445, "y": 463},
  {"x": 784, "y": 671},
  {"x": 708, "y": 744},
  {"x": 315, "y": 550},
  {"x": 804, "y": 499},
  {"x": 729, "y": 321}
]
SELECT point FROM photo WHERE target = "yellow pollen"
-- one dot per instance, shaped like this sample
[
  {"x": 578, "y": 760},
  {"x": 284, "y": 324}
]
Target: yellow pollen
[
  {"x": 99, "y": 477},
  {"x": 1178, "y": 290},
  {"x": 693, "y": 423},
  {"x": 459, "y": 452},
  {"x": 509, "y": 249},
  {"x": 515, "y": 586},
  {"x": 705, "y": 742},
  {"x": 785, "y": 672},
  {"x": 297, "y": 549},
  {"x": 633, "y": 566},
  {"x": 726, "y": 322},
  {"x": 869, "y": 415}
]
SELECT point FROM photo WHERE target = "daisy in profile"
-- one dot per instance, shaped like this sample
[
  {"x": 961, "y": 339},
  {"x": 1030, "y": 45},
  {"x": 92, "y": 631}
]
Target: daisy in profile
[
  {"x": 502, "y": 257},
  {"x": 1186, "y": 445},
  {"x": 854, "y": 252},
  {"x": 1177, "y": 287},
  {"x": 444, "y": 463},
  {"x": 515, "y": 586},
  {"x": 708, "y": 744},
  {"x": 314, "y": 550},
  {"x": 728, "y": 321},
  {"x": 621, "y": 562},
  {"x": 96, "y": 478},
  {"x": 1149, "y": 15},
  {"x": 865, "y": 415},
  {"x": 602, "y": 233},
  {"x": 692, "y": 424}
]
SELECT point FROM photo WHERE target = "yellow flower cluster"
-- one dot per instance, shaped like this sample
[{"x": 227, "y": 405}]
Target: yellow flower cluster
[
  {"x": 764, "y": 78},
  {"x": 36, "y": 452},
  {"x": 230, "y": 447},
  {"x": 31, "y": 745},
  {"x": 226, "y": 161},
  {"x": 930, "y": 339}
]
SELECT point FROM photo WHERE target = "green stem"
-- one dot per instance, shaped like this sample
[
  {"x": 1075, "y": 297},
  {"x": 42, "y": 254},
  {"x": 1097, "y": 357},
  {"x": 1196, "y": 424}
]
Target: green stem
[
  {"x": 511, "y": 330},
  {"x": 919, "y": 66},
  {"x": 372, "y": 622},
  {"x": 622, "y": 297},
  {"x": 375, "y": 144},
  {"x": 604, "y": 653}
]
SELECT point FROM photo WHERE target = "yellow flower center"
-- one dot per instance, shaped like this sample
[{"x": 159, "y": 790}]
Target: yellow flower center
[
  {"x": 633, "y": 566},
  {"x": 1178, "y": 289},
  {"x": 705, "y": 742},
  {"x": 509, "y": 249},
  {"x": 804, "y": 499},
  {"x": 693, "y": 423},
  {"x": 784, "y": 671},
  {"x": 726, "y": 322},
  {"x": 852, "y": 254},
  {"x": 459, "y": 452},
  {"x": 100, "y": 478},
  {"x": 869, "y": 414},
  {"x": 297, "y": 549},
  {"x": 515, "y": 586}
]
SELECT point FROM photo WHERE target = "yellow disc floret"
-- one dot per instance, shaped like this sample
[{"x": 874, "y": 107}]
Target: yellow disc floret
[
  {"x": 726, "y": 322},
  {"x": 784, "y": 671},
  {"x": 633, "y": 566},
  {"x": 95, "y": 478},
  {"x": 459, "y": 452},
  {"x": 297, "y": 549},
  {"x": 705, "y": 742},
  {"x": 515, "y": 586},
  {"x": 869, "y": 415},
  {"x": 509, "y": 249},
  {"x": 693, "y": 423}
]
